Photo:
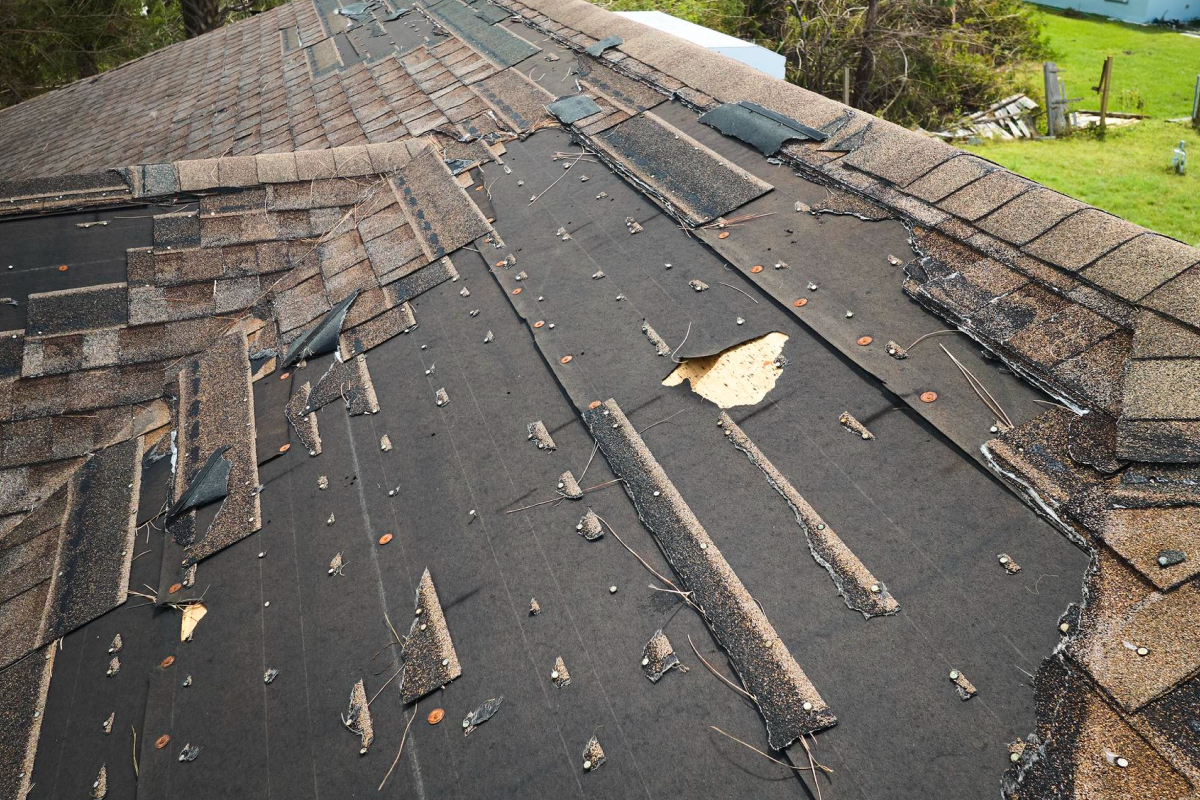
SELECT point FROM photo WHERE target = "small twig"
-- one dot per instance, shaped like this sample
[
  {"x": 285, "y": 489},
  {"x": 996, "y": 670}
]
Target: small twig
[
  {"x": 392, "y": 628},
  {"x": 136, "y": 774},
  {"x": 558, "y": 499},
  {"x": 1034, "y": 590},
  {"x": 980, "y": 390},
  {"x": 403, "y": 739},
  {"x": 725, "y": 680},
  {"x": 676, "y": 350},
  {"x": 595, "y": 447},
  {"x": 764, "y": 755},
  {"x": 385, "y": 684},
  {"x": 926, "y": 336},
  {"x": 138, "y": 555},
  {"x": 661, "y": 421},
  {"x": 684, "y": 595},
  {"x": 736, "y": 289},
  {"x": 1052, "y": 404},
  {"x": 150, "y": 597},
  {"x": 559, "y": 178}
]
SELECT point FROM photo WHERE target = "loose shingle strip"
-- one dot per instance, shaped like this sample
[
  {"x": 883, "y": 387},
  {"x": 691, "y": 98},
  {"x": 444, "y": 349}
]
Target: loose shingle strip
[
  {"x": 430, "y": 661},
  {"x": 23, "y": 689},
  {"x": 304, "y": 422},
  {"x": 350, "y": 381},
  {"x": 855, "y": 583},
  {"x": 790, "y": 704}
]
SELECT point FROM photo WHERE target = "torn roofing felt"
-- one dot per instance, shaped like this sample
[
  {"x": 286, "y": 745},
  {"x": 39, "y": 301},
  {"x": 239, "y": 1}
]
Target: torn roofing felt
[
  {"x": 758, "y": 126},
  {"x": 323, "y": 337},
  {"x": 210, "y": 484}
]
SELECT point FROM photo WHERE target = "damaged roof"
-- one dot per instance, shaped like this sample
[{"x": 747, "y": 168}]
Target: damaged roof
[{"x": 618, "y": 360}]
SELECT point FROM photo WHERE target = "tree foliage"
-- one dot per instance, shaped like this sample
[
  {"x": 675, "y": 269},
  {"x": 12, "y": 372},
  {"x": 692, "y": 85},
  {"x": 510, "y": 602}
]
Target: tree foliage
[{"x": 913, "y": 61}]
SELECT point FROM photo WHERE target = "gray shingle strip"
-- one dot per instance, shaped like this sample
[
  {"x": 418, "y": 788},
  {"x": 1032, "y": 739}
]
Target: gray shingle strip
[
  {"x": 757, "y": 126},
  {"x": 789, "y": 703},
  {"x": 632, "y": 95},
  {"x": 1081, "y": 238},
  {"x": 516, "y": 99},
  {"x": 93, "y": 562},
  {"x": 679, "y": 172},
  {"x": 88, "y": 308},
  {"x": 1159, "y": 441},
  {"x": 861, "y": 591},
  {"x": 494, "y": 41},
  {"x": 571, "y": 109}
]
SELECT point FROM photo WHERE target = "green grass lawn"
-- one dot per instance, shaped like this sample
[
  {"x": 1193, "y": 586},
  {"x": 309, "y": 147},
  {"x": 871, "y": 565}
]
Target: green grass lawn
[{"x": 1154, "y": 72}]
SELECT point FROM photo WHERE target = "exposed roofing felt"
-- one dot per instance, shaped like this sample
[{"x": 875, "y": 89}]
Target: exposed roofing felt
[{"x": 404, "y": 168}]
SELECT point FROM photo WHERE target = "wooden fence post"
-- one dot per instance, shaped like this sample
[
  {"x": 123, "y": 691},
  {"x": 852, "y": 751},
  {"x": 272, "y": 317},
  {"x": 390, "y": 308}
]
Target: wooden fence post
[
  {"x": 1105, "y": 82},
  {"x": 1056, "y": 118}
]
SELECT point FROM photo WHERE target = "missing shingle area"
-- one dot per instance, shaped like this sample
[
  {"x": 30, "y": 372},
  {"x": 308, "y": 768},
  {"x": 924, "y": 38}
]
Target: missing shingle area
[{"x": 737, "y": 376}]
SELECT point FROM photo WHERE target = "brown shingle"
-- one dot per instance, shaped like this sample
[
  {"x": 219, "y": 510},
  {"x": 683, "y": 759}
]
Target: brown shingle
[
  {"x": 949, "y": 177},
  {"x": 1028, "y": 215},
  {"x": 1081, "y": 238},
  {"x": 985, "y": 195},
  {"x": 1141, "y": 265},
  {"x": 1163, "y": 389},
  {"x": 1180, "y": 298}
]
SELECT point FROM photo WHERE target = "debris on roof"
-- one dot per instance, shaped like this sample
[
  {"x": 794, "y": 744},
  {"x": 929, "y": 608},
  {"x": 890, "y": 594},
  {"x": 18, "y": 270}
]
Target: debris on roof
[
  {"x": 758, "y": 126},
  {"x": 430, "y": 660}
]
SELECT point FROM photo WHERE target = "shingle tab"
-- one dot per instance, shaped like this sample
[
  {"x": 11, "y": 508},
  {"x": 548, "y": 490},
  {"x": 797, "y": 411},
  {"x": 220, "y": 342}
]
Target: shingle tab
[{"x": 1082, "y": 238}]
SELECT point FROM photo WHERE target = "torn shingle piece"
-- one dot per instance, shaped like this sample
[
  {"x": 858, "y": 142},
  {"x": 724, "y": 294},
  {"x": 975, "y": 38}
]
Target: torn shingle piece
[
  {"x": 430, "y": 661},
  {"x": 1092, "y": 440},
  {"x": 304, "y": 423},
  {"x": 1082, "y": 238},
  {"x": 351, "y": 382},
  {"x": 966, "y": 690},
  {"x": 486, "y": 711},
  {"x": 570, "y": 110},
  {"x": 540, "y": 436},
  {"x": 680, "y": 173},
  {"x": 569, "y": 487},
  {"x": 758, "y": 126},
  {"x": 1158, "y": 485},
  {"x": 323, "y": 337},
  {"x": 851, "y": 424},
  {"x": 358, "y": 718},
  {"x": 520, "y": 101},
  {"x": 1096, "y": 374},
  {"x": 589, "y": 526},
  {"x": 658, "y": 657},
  {"x": 660, "y": 345},
  {"x": 593, "y": 755},
  {"x": 560, "y": 675},
  {"x": 860, "y": 590},
  {"x": 608, "y": 42},
  {"x": 789, "y": 702},
  {"x": 208, "y": 486}
]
